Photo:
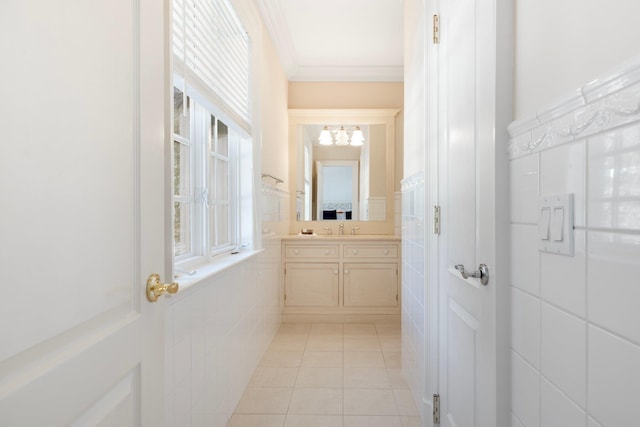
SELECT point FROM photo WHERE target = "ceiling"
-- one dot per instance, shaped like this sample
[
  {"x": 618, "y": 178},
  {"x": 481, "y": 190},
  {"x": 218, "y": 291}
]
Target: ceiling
[{"x": 337, "y": 40}]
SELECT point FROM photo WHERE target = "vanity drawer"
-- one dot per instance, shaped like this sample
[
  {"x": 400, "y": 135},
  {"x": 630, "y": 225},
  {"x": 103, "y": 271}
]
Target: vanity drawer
[
  {"x": 370, "y": 251},
  {"x": 310, "y": 251}
]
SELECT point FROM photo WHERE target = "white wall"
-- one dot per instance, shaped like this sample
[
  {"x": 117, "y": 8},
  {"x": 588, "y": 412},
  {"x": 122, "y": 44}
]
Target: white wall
[
  {"x": 575, "y": 320},
  {"x": 560, "y": 45},
  {"x": 216, "y": 333}
]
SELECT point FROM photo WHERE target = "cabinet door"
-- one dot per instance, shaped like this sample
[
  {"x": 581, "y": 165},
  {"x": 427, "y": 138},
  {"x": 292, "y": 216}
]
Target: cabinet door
[
  {"x": 311, "y": 284},
  {"x": 370, "y": 285}
]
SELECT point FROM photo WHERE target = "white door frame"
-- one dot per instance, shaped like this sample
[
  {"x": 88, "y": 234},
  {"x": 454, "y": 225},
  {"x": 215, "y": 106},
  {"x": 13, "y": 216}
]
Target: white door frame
[{"x": 353, "y": 164}]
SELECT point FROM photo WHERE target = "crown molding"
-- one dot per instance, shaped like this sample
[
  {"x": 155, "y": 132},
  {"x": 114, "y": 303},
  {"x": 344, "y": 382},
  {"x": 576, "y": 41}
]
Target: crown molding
[
  {"x": 277, "y": 27},
  {"x": 348, "y": 74}
]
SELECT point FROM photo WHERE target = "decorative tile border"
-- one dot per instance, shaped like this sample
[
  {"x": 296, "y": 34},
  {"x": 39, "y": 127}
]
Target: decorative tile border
[{"x": 610, "y": 101}]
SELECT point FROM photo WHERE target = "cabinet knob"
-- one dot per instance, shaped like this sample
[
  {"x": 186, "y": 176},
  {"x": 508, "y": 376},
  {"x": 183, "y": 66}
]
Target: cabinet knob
[
  {"x": 296, "y": 252},
  {"x": 335, "y": 271},
  {"x": 386, "y": 251},
  {"x": 346, "y": 272},
  {"x": 326, "y": 252},
  {"x": 355, "y": 252}
]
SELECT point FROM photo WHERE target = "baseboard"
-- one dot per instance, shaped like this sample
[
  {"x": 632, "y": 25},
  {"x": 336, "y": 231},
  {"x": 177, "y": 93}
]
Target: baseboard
[{"x": 340, "y": 318}]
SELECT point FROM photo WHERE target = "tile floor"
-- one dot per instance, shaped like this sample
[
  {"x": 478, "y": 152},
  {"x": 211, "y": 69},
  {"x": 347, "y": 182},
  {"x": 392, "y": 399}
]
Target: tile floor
[{"x": 329, "y": 375}]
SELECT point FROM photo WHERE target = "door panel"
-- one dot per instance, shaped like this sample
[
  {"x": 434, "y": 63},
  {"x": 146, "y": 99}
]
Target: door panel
[
  {"x": 466, "y": 115},
  {"x": 462, "y": 355},
  {"x": 83, "y": 172},
  {"x": 461, "y": 168}
]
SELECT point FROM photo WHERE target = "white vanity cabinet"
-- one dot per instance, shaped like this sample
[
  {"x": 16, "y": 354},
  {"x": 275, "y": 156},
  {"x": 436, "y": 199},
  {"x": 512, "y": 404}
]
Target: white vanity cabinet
[{"x": 348, "y": 275}]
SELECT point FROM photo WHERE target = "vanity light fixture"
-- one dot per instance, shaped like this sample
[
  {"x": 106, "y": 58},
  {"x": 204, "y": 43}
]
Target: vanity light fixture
[
  {"x": 357, "y": 138},
  {"x": 341, "y": 136},
  {"x": 325, "y": 137}
]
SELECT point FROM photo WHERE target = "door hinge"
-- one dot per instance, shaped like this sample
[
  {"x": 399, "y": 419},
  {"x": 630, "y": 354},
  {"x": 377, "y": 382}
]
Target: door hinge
[
  {"x": 396, "y": 297},
  {"x": 436, "y": 409},
  {"x": 436, "y": 29},
  {"x": 285, "y": 297},
  {"x": 436, "y": 220}
]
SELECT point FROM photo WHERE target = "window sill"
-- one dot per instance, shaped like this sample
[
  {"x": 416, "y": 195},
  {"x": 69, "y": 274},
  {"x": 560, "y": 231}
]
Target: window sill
[{"x": 207, "y": 271}]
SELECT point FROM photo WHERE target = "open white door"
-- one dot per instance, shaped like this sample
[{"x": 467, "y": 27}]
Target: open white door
[
  {"x": 82, "y": 107},
  {"x": 472, "y": 124}
]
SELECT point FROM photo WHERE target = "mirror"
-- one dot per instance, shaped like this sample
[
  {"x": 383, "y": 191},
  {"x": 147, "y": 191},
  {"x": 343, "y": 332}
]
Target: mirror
[{"x": 338, "y": 180}]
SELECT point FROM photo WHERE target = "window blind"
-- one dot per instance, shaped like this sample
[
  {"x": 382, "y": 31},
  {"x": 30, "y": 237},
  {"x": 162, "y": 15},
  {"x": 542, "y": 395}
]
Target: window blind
[{"x": 212, "y": 52}]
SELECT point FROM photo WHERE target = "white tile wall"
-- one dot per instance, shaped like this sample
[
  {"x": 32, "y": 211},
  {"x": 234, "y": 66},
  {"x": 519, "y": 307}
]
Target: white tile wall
[
  {"x": 525, "y": 387},
  {"x": 216, "y": 333},
  {"x": 614, "y": 379},
  {"x": 525, "y": 266},
  {"x": 564, "y": 352},
  {"x": 525, "y": 326},
  {"x": 413, "y": 284},
  {"x": 558, "y": 410},
  {"x": 575, "y": 320}
]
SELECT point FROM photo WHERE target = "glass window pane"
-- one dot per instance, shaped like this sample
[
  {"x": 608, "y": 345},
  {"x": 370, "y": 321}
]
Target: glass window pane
[
  {"x": 182, "y": 228},
  {"x": 222, "y": 180},
  {"x": 223, "y": 224},
  {"x": 212, "y": 134},
  {"x": 223, "y": 139},
  {"x": 181, "y": 117},
  {"x": 213, "y": 232},
  {"x": 181, "y": 169}
]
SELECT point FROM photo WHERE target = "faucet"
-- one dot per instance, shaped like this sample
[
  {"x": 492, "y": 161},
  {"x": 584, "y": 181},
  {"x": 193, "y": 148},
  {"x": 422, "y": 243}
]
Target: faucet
[
  {"x": 353, "y": 230},
  {"x": 341, "y": 229},
  {"x": 329, "y": 230}
]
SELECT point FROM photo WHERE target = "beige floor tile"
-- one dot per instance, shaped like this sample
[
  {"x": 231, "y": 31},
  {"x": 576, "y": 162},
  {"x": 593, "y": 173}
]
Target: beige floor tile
[
  {"x": 366, "y": 378},
  {"x": 360, "y": 343},
  {"x": 392, "y": 359},
  {"x": 256, "y": 420},
  {"x": 397, "y": 378},
  {"x": 324, "y": 343},
  {"x": 390, "y": 329},
  {"x": 364, "y": 401},
  {"x": 389, "y": 343},
  {"x": 327, "y": 329},
  {"x": 264, "y": 400},
  {"x": 405, "y": 402},
  {"x": 363, "y": 359},
  {"x": 282, "y": 359},
  {"x": 359, "y": 329},
  {"x": 322, "y": 359},
  {"x": 319, "y": 378},
  {"x": 371, "y": 421},
  {"x": 288, "y": 343},
  {"x": 294, "y": 420},
  {"x": 294, "y": 328},
  {"x": 410, "y": 421},
  {"x": 265, "y": 376},
  {"x": 316, "y": 401}
]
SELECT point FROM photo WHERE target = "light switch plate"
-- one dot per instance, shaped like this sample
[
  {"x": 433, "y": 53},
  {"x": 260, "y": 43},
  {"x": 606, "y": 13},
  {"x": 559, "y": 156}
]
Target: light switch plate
[{"x": 555, "y": 224}]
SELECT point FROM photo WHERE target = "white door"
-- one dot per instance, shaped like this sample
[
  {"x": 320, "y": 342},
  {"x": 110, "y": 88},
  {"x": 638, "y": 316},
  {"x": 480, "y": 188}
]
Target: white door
[
  {"x": 471, "y": 166},
  {"x": 82, "y": 104}
]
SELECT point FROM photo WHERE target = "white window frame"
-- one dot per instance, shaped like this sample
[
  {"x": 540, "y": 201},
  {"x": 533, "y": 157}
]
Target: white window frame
[
  {"x": 205, "y": 152},
  {"x": 190, "y": 196}
]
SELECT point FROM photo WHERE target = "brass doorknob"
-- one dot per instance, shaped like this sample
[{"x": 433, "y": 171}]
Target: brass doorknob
[{"x": 156, "y": 288}]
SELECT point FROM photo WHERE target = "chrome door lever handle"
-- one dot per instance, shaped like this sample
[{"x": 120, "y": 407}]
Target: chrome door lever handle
[{"x": 482, "y": 273}]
